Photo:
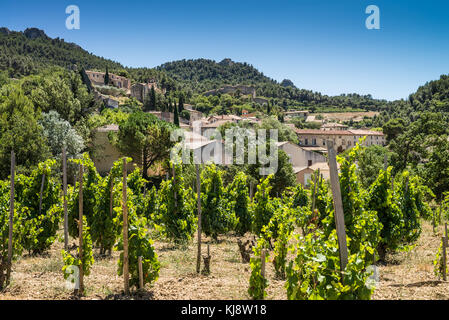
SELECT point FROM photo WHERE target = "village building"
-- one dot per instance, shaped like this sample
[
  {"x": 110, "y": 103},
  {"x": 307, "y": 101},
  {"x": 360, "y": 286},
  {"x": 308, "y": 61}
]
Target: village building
[
  {"x": 97, "y": 78},
  {"x": 194, "y": 114},
  {"x": 140, "y": 91},
  {"x": 105, "y": 153},
  {"x": 343, "y": 139},
  {"x": 301, "y": 156},
  {"x": 303, "y": 114},
  {"x": 333, "y": 126},
  {"x": 305, "y": 174}
]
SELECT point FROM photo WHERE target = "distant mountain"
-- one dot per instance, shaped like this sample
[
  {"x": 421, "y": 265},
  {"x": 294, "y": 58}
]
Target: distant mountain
[
  {"x": 433, "y": 96},
  {"x": 27, "y": 52},
  {"x": 24, "y": 53},
  {"x": 203, "y": 75}
]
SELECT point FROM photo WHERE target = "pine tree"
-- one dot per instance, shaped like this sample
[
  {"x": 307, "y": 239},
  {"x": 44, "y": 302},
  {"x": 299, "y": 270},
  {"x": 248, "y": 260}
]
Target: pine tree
[
  {"x": 268, "y": 108},
  {"x": 106, "y": 77}
]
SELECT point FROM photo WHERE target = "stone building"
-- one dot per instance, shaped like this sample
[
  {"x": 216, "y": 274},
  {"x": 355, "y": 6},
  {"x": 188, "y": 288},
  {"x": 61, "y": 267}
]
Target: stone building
[
  {"x": 343, "y": 139},
  {"x": 97, "y": 78},
  {"x": 141, "y": 90}
]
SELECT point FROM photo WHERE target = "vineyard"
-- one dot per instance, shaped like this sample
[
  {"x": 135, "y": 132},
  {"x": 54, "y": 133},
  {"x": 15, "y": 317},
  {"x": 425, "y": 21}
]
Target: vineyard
[{"x": 122, "y": 237}]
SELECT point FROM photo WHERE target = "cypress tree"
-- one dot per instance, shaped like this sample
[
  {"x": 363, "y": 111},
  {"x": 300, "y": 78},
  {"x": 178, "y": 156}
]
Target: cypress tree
[
  {"x": 181, "y": 103},
  {"x": 176, "y": 116},
  {"x": 106, "y": 77},
  {"x": 152, "y": 99}
]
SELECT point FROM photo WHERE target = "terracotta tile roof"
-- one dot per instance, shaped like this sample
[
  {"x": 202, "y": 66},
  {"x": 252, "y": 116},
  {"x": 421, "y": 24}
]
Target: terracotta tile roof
[
  {"x": 339, "y": 132},
  {"x": 366, "y": 133},
  {"x": 323, "y": 132}
]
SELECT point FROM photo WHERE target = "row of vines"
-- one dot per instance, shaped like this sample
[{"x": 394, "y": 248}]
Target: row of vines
[{"x": 296, "y": 229}]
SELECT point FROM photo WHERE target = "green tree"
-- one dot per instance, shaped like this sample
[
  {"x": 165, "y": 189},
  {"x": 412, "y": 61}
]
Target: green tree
[
  {"x": 146, "y": 139},
  {"x": 59, "y": 133},
  {"x": 19, "y": 131}
]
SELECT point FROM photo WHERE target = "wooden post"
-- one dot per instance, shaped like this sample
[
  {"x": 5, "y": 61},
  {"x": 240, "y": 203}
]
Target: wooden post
[
  {"x": 262, "y": 261},
  {"x": 125, "y": 231},
  {"x": 140, "y": 274},
  {"x": 251, "y": 191},
  {"x": 174, "y": 186},
  {"x": 444, "y": 239},
  {"x": 80, "y": 228},
  {"x": 338, "y": 205},
  {"x": 207, "y": 259},
  {"x": 445, "y": 230},
  {"x": 64, "y": 187},
  {"x": 111, "y": 197},
  {"x": 41, "y": 194},
  {"x": 315, "y": 182},
  {"x": 11, "y": 216},
  {"x": 198, "y": 188}
]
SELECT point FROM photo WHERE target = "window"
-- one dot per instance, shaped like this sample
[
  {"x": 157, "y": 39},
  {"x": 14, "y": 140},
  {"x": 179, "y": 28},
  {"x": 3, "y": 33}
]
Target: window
[
  {"x": 307, "y": 177},
  {"x": 306, "y": 141},
  {"x": 314, "y": 142},
  {"x": 324, "y": 142},
  {"x": 309, "y": 163}
]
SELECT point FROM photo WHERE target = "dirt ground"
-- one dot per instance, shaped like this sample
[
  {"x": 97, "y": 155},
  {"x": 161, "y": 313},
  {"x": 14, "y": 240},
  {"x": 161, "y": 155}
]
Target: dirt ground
[{"x": 407, "y": 275}]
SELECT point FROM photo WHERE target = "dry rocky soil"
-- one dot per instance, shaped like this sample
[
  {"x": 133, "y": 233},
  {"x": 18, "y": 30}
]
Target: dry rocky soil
[{"x": 406, "y": 275}]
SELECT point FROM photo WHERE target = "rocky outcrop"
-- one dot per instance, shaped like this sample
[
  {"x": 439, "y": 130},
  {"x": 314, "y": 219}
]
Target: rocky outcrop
[
  {"x": 34, "y": 33},
  {"x": 245, "y": 90},
  {"x": 287, "y": 83},
  {"x": 5, "y": 31}
]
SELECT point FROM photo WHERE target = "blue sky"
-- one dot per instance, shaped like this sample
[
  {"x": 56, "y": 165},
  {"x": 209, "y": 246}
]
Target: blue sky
[{"x": 319, "y": 45}]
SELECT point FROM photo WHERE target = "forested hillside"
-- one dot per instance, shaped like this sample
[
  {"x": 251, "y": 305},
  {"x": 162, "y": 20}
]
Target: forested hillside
[
  {"x": 32, "y": 51},
  {"x": 198, "y": 76},
  {"x": 24, "y": 53}
]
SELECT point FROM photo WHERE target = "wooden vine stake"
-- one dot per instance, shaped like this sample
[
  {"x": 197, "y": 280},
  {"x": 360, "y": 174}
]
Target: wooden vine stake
[
  {"x": 207, "y": 259},
  {"x": 11, "y": 216},
  {"x": 140, "y": 273},
  {"x": 80, "y": 228},
  {"x": 316, "y": 178},
  {"x": 338, "y": 205},
  {"x": 251, "y": 191},
  {"x": 41, "y": 194},
  {"x": 125, "y": 231},
  {"x": 64, "y": 186},
  {"x": 111, "y": 198},
  {"x": 198, "y": 188},
  {"x": 444, "y": 239},
  {"x": 262, "y": 261}
]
